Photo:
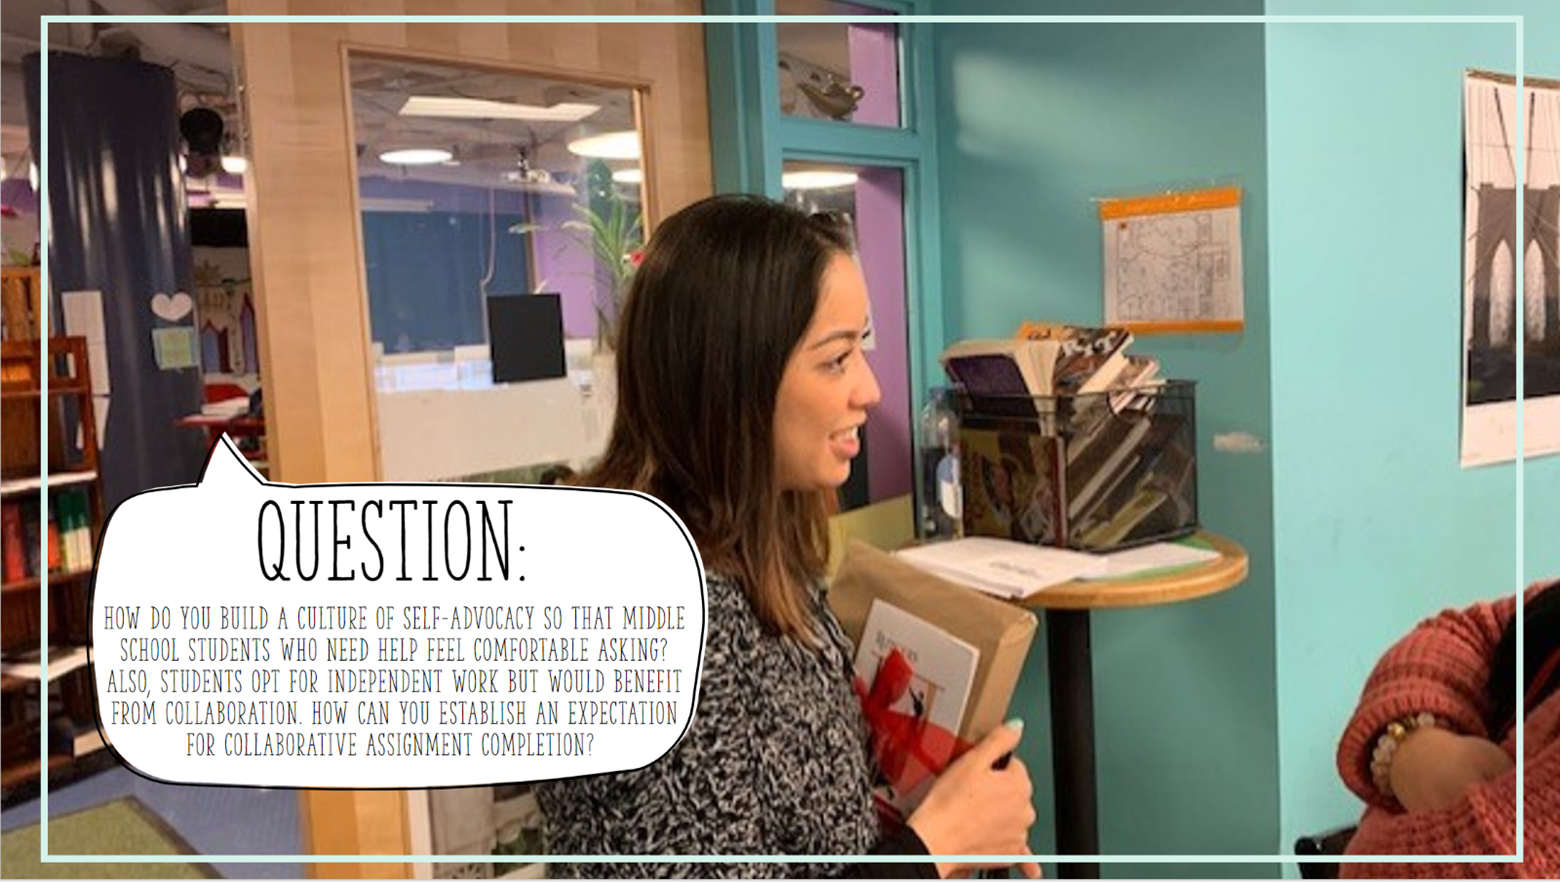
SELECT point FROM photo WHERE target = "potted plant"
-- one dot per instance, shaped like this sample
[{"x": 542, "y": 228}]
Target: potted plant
[{"x": 611, "y": 229}]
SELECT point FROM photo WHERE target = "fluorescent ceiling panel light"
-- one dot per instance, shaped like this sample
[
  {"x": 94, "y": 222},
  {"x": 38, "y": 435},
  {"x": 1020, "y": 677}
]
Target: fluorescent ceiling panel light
[
  {"x": 818, "y": 179},
  {"x": 416, "y": 156},
  {"x": 478, "y": 108},
  {"x": 629, "y": 176},
  {"x": 608, "y": 145},
  {"x": 403, "y": 206}
]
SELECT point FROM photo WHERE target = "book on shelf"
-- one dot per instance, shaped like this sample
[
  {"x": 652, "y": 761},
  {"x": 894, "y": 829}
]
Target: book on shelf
[
  {"x": 1151, "y": 454},
  {"x": 1013, "y": 570},
  {"x": 88, "y": 739},
  {"x": 1116, "y": 486},
  {"x": 1171, "y": 468},
  {"x": 68, "y": 534},
  {"x": 1046, "y": 359},
  {"x": 997, "y": 367},
  {"x": 28, "y": 664},
  {"x": 1172, "y": 475},
  {"x": 1103, "y": 460},
  {"x": 1137, "y": 385},
  {"x": 1121, "y": 520},
  {"x": 14, "y": 545},
  {"x": 1089, "y": 359},
  {"x": 1084, "y": 360}
]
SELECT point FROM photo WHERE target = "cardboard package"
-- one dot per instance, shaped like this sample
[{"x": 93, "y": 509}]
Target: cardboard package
[{"x": 1001, "y": 631}]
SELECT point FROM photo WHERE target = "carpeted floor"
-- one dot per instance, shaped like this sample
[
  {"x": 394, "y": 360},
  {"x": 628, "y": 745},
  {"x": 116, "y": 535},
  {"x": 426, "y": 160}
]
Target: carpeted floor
[{"x": 121, "y": 827}]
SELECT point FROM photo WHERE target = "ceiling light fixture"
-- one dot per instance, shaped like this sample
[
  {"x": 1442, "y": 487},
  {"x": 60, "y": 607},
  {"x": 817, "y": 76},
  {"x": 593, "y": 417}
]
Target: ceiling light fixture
[
  {"x": 608, "y": 145},
  {"x": 400, "y": 206},
  {"x": 478, "y": 108},
  {"x": 817, "y": 179},
  {"x": 634, "y": 175},
  {"x": 416, "y": 156}
]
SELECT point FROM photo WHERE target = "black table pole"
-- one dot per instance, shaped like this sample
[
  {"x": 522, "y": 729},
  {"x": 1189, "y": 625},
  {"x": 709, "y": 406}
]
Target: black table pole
[{"x": 1072, "y": 739}]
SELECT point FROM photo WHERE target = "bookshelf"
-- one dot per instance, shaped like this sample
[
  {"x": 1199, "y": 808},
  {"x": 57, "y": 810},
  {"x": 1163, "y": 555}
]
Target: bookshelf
[
  {"x": 19, "y": 287},
  {"x": 61, "y": 549}
]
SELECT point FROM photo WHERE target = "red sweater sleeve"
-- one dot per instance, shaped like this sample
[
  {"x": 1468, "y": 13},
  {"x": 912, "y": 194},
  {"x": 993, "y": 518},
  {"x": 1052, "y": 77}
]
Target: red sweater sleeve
[
  {"x": 1485, "y": 823},
  {"x": 1442, "y": 666}
]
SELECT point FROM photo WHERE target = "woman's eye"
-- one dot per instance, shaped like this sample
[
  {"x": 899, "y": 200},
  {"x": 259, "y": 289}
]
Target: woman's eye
[{"x": 838, "y": 364}]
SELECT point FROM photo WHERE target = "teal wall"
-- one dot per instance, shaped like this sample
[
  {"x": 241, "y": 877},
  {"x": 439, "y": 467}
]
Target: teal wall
[
  {"x": 1376, "y": 526},
  {"x": 1035, "y": 122}
]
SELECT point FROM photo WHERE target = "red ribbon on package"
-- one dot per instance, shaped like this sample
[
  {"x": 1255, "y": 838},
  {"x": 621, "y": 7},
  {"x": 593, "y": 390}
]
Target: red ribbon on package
[{"x": 909, "y": 749}]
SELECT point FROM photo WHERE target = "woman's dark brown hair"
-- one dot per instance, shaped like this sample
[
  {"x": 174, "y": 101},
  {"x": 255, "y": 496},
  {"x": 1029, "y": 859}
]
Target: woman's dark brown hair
[
  {"x": 1540, "y": 665},
  {"x": 723, "y": 296}
]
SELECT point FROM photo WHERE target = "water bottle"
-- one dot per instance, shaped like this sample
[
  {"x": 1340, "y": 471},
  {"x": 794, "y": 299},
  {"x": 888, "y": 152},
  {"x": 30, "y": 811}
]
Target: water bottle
[{"x": 941, "y": 493}]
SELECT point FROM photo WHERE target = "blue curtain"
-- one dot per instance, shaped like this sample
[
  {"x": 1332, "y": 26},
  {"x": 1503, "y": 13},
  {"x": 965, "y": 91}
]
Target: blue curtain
[{"x": 120, "y": 226}]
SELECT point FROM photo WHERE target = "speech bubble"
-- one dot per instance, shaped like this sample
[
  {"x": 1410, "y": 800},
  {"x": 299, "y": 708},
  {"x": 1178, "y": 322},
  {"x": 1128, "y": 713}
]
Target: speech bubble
[{"x": 392, "y": 635}]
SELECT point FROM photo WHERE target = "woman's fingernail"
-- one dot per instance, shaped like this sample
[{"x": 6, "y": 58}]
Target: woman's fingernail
[{"x": 1015, "y": 723}]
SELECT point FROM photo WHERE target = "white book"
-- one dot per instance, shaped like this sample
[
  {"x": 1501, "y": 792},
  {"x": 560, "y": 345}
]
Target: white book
[
  {"x": 943, "y": 665},
  {"x": 1001, "y": 567}
]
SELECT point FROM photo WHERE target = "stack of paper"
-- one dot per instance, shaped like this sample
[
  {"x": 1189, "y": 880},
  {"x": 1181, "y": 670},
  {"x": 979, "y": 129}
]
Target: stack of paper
[
  {"x": 227, "y": 407},
  {"x": 998, "y": 566}
]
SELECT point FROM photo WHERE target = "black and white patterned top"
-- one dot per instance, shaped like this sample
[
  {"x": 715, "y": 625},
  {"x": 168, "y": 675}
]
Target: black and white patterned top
[{"x": 774, "y": 762}]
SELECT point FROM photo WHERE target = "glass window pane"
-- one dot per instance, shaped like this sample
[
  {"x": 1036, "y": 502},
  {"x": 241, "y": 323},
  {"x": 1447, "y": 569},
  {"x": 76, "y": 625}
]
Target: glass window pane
[
  {"x": 499, "y": 214},
  {"x": 874, "y": 200},
  {"x": 847, "y": 71}
]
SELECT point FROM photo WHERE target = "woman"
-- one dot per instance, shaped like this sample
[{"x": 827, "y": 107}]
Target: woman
[
  {"x": 742, "y": 390},
  {"x": 1431, "y": 747}
]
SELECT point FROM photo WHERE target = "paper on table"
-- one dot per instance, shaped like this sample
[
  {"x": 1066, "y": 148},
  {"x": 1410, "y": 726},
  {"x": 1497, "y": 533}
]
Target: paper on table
[
  {"x": 1160, "y": 555},
  {"x": 1001, "y": 567}
]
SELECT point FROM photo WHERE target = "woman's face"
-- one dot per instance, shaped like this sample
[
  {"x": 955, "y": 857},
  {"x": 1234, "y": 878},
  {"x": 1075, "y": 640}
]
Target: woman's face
[{"x": 827, "y": 387}]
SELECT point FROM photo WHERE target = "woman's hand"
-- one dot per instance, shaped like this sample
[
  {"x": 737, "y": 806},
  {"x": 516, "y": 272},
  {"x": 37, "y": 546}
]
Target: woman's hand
[
  {"x": 1433, "y": 768},
  {"x": 976, "y": 809}
]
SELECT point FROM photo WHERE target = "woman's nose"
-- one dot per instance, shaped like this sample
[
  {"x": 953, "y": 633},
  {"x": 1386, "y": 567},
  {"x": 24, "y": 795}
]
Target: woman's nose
[{"x": 866, "y": 394}]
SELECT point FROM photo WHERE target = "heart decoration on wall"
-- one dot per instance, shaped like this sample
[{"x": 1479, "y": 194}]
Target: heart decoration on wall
[{"x": 173, "y": 308}]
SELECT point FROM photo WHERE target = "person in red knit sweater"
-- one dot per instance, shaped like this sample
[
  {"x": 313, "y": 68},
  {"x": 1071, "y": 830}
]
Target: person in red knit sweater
[{"x": 1431, "y": 747}]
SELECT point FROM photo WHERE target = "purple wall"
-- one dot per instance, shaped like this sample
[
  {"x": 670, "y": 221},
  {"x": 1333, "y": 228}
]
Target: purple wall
[
  {"x": 563, "y": 261},
  {"x": 874, "y": 66},
  {"x": 17, "y": 194},
  {"x": 880, "y": 226}
]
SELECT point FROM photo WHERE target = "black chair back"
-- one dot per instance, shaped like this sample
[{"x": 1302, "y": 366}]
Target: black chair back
[{"x": 1329, "y": 844}]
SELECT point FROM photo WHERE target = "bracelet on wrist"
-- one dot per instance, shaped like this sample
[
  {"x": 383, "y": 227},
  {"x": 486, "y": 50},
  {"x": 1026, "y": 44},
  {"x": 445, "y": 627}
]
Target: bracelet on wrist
[{"x": 1387, "y": 744}]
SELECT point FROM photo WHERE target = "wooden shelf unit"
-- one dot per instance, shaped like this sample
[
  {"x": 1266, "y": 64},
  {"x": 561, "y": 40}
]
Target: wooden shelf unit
[
  {"x": 20, "y": 286},
  {"x": 71, "y": 466}
]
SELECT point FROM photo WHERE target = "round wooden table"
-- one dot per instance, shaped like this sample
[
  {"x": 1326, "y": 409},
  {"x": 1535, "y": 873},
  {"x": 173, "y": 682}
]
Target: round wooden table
[{"x": 1067, "y": 608}]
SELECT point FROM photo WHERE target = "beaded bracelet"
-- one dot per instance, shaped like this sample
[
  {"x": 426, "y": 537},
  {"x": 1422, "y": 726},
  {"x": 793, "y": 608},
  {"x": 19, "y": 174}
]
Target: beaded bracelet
[{"x": 1387, "y": 745}]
